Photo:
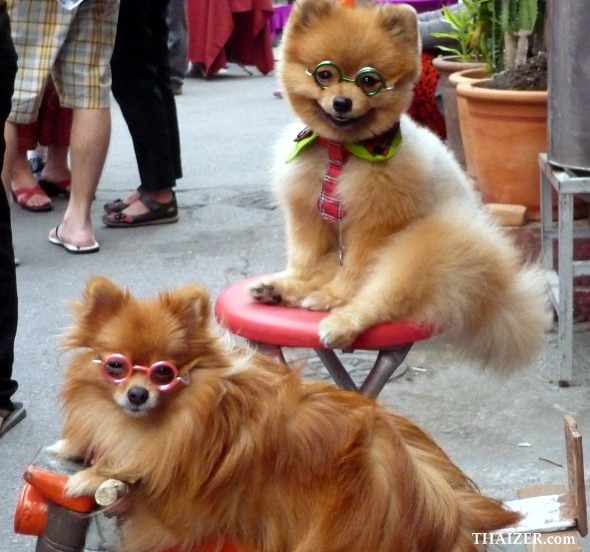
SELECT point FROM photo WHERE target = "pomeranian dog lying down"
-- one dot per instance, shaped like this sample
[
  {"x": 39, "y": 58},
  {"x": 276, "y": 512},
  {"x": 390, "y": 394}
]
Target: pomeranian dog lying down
[
  {"x": 382, "y": 224},
  {"x": 222, "y": 442}
]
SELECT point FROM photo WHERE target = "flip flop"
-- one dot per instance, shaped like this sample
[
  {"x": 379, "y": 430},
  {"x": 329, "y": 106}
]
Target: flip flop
[
  {"x": 23, "y": 195},
  {"x": 56, "y": 189},
  {"x": 71, "y": 248},
  {"x": 13, "y": 418}
]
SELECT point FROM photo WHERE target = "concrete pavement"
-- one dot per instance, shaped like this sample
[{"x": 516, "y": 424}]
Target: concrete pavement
[{"x": 504, "y": 433}]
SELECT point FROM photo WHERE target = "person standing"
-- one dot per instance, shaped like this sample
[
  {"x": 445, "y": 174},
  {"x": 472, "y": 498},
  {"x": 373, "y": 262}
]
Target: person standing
[
  {"x": 75, "y": 47},
  {"x": 10, "y": 412},
  {"x": 143, "y": 89}
]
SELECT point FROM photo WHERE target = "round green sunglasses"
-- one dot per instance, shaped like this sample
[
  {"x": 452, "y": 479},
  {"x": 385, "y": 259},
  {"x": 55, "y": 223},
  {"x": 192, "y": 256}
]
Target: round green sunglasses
[{"x": 369, "y": 80}]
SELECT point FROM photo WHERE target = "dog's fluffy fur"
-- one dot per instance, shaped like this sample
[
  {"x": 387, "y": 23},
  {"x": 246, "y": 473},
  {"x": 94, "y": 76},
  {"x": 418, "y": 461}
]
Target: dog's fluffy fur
[
  {"x": 417, "y": 244},
  {"x": 247, "y": 450}
]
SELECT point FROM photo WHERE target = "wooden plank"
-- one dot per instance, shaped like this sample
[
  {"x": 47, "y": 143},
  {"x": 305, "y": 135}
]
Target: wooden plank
[
  {"x": 547, "y": 542},
  {"x": 575, "y": 472}
]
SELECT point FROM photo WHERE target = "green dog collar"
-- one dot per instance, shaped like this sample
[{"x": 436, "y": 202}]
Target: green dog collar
[{"x": 377, "y": 149}]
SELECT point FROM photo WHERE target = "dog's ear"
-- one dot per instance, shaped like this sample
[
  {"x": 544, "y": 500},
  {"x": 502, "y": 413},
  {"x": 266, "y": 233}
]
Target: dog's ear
[
  {"x": 190, "y": 305},
  {"x": 400, "y": 20},
  {"x": 101, "y": 300},
  {"x": 306, "y": 13}
]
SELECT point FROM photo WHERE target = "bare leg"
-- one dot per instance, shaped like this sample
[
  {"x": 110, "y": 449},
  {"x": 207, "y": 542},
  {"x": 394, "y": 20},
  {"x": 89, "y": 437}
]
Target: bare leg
[
  {"x": 9, "y": 155},
  {"x": 23, "y": 179},
  {"x": 91, "y": 133},
  {"x": 56, "y": 168}
]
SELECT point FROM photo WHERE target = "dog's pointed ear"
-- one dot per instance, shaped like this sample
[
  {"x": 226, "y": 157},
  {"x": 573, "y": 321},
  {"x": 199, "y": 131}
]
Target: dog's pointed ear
[
  {"x": 401, "y": 21},
  {"x": 190, "y": 304},
  {"x": 307, "y": 12},
  {"x": 101, "y": 300}
]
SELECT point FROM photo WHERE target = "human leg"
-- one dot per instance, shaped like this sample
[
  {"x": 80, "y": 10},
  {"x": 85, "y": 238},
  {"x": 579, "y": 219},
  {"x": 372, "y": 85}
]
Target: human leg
[
  {"x": 23, "y": 184},
  {"x": 55, "y": 178},
  {"x": 54, "y": 130},
  {"x": 88, "y": 154},
  {"x": 141, "y": 70},
  {"x": 82, "y": 78},
  {"x": 39, "y": 30},
  {"x": 177, "y": 43},
  {"x": 10, "y": 412}
]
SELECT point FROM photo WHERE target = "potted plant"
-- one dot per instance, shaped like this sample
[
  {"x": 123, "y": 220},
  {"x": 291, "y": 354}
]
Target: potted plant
[
  {"x": 508, "y": 127},
  {"x": 462, "y": 51}
]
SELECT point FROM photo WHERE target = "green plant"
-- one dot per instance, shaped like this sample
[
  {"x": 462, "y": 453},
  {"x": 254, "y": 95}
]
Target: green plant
[
  {"x": 511, "y": 26},
  {"x": 497, "y": 32},
  {"x": 518, "y": 20},
  {"x": 465, "y": 30}
]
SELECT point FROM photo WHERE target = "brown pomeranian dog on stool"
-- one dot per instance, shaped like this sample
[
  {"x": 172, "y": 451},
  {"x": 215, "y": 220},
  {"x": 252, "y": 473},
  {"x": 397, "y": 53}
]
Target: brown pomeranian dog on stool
[
  {"x": 222, "y": 442},
  {"x": 382, "y": 223}
]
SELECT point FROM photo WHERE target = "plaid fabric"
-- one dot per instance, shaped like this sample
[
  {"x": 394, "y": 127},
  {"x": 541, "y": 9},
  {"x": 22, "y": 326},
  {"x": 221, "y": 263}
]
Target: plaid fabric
[
  {"x": 329, "y": 203},
  {"x": 53, "y": 126},
  {"x": 74, "y": 46}
]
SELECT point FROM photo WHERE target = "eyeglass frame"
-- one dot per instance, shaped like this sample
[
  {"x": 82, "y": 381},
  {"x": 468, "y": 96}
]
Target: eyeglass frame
[
  {"x": 341, "y": 77},
  {"x": 138, "y": 368}
]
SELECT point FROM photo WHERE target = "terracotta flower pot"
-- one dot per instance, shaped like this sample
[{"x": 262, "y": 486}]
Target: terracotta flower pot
[
  {"x": 446, "y": 66},
  {"x": 509, "y": 130},
  {"x": 469, "y": 75}
]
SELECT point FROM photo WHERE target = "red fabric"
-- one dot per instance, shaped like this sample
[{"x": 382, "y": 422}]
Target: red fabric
[
  {"x": 424, "y": 109},
  {"x": 230, "y": 30},
  {"x": 329, "y": 203},
  {"x": 53, "y": 125}
]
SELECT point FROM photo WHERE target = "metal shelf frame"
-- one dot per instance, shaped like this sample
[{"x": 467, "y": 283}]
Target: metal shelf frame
[{"x": 568, "y": 184}]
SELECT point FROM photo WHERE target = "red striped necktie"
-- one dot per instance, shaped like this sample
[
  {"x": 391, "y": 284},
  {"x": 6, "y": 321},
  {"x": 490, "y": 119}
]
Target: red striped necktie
[{"x": 329, "y": 204}]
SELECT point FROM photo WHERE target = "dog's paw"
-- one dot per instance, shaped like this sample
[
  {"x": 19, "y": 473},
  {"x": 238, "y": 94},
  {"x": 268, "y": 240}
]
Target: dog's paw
[
  {"x": 265, "y": 293},
  {"x": 64, "y": 449},
  {"x": 337, "y": 331},
  {"x": 321, "y": 301},
  {"x": 84, "y": 483},
  {"x": 59, "y": 448}
]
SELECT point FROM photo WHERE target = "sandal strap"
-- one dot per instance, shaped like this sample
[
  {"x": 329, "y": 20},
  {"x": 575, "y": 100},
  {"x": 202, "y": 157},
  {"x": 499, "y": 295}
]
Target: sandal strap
[
  {"x": 24, "y": 194},
  {"x": 157, "y": 207}
]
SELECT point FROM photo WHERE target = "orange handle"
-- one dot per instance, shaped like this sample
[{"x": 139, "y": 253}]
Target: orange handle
[
  {"x": 347, "y": 3},
  {"x": 52, "y": 486},
  {"x": 30, "y": 517}
]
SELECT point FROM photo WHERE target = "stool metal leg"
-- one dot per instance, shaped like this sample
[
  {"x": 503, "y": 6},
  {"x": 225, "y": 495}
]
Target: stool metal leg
[
  {"x": 336, "y": 369},
  {"x": 388, "y": 361}
]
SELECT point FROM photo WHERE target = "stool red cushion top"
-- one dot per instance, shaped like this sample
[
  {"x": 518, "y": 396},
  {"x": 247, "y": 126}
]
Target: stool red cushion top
[{"x": 297, "y": 327}]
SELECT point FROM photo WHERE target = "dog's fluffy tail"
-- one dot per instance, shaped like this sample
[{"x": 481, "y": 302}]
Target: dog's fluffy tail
[
  {"x": 479, "y": 516},
  {"x": 448, "y": 510},
  {"x": 512, "y": 335}
]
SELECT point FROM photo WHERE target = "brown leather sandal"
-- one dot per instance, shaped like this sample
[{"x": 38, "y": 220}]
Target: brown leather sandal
[{"x": 159, "y": 213}]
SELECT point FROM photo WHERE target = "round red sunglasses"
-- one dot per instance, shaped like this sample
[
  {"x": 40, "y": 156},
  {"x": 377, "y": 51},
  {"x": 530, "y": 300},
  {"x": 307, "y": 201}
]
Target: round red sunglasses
[{"x": 163, "y": 374}]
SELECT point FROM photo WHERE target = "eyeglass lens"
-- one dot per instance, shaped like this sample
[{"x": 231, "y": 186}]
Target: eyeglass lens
[
  {"x": 119, "y": 368},
  {"x": 368, "y": 79}
]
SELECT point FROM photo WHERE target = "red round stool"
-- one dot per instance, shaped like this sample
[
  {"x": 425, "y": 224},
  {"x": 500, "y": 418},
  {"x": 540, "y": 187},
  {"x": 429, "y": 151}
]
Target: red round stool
[{"x": 271, "y": 327}]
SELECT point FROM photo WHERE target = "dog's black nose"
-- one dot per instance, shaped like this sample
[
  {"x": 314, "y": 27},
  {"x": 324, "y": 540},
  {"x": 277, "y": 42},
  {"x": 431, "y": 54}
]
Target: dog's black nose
[
  {"x": 342, "y": 104},
  {"x": 137, "y": 395}
]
